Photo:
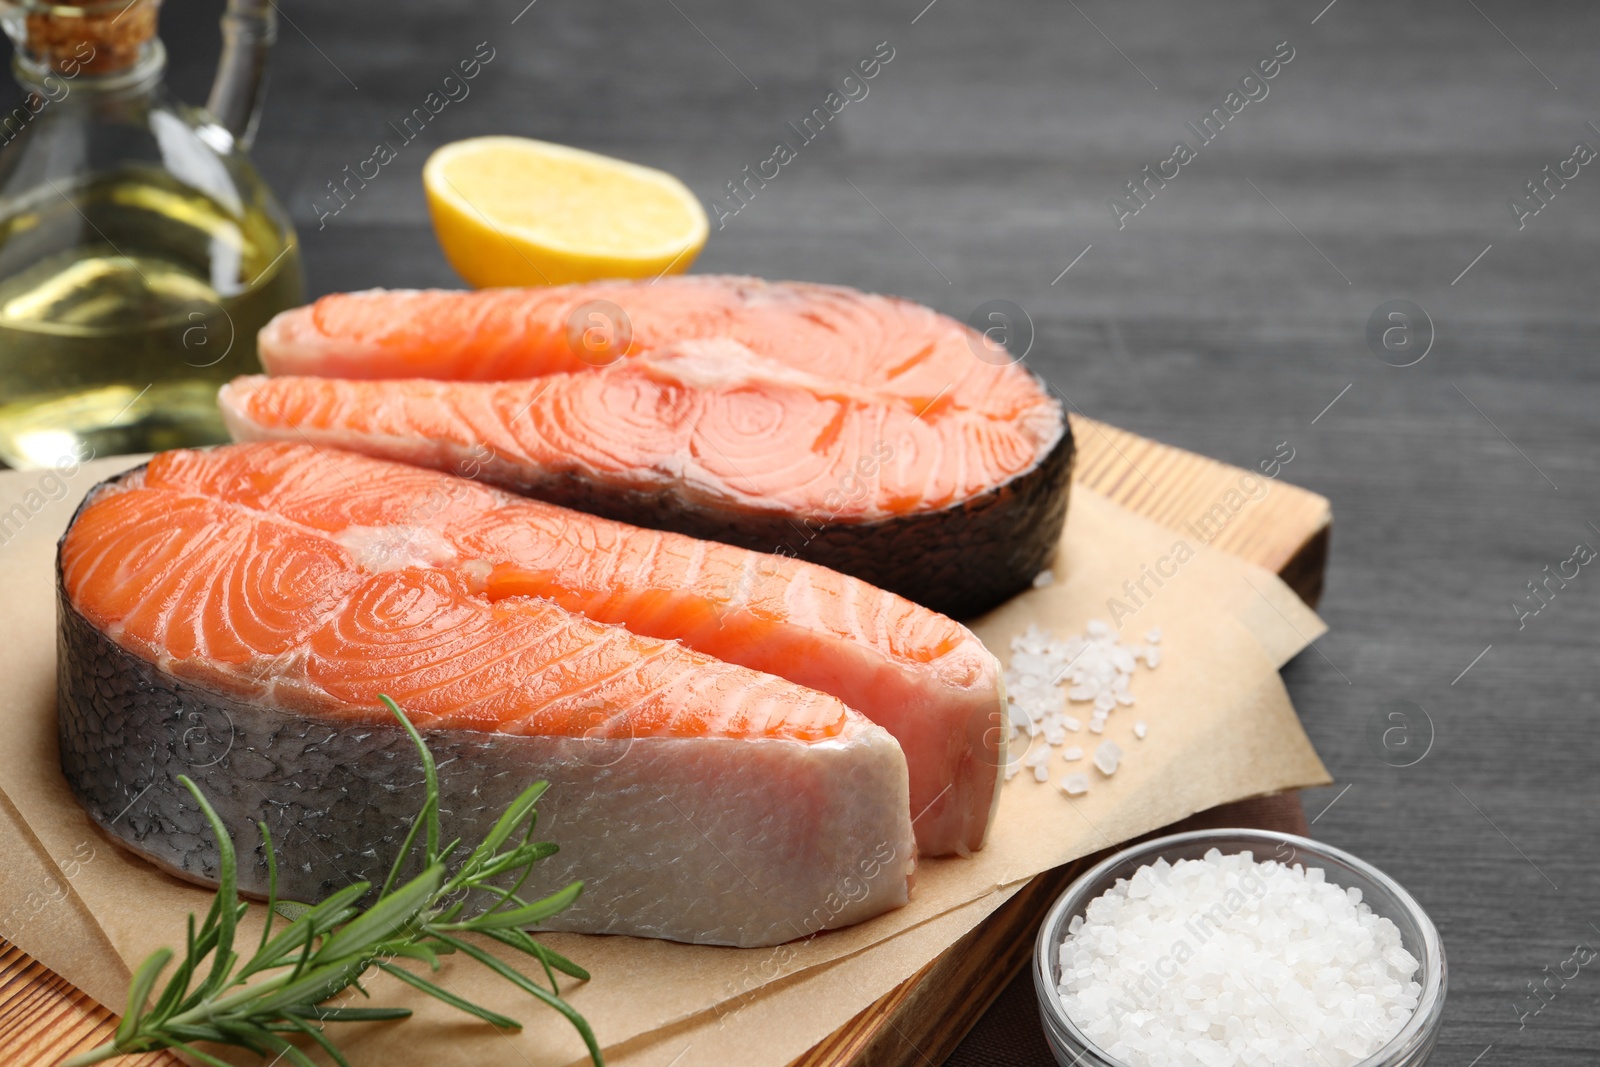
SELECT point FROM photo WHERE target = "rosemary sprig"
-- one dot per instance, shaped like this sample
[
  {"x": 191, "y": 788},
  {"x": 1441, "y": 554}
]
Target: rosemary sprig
[{"x": 327, "y": 947}]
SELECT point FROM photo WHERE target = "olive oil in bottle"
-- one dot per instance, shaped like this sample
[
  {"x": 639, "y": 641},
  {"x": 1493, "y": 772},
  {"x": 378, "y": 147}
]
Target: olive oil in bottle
[
  {"x": 139, "y": 249},
  {"x": 135, "y": 299}
]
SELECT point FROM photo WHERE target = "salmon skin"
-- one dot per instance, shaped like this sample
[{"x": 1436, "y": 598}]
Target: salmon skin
[
  {"x": 233, "y": 615},
  {"x": 869, "y": 434}
]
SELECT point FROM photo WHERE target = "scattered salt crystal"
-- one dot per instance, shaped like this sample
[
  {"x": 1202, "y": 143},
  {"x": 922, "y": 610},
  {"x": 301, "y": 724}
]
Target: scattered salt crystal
[
  {"x": 1048, "y": 674},
  {"x": 1140, "y": 729},
  {"x": 1075, "y": 785},
  {"x": 1044, "y": 578},
  {"x": 1072, "y": 753},
  {"x": 1154, "y": 636},
  {"x": 1041, "y": 774},
  {"x": 1225, "y": 962},
  {"x": 1107, "y": 756}
]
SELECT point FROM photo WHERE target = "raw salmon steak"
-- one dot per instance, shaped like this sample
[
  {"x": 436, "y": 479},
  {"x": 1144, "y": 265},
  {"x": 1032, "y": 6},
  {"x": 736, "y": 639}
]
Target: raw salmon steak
[
  {"x": 869, "y": 434},
  {"x": 923, "y": 677},
  {"x": 233, "y": 615}
]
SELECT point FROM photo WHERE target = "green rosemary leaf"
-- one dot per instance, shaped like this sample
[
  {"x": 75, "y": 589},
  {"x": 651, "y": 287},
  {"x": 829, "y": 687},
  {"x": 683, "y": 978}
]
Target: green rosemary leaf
[
  {"x": 520, "y": 857},
  {"x": 205, "y": 1058},
  {"x": 291, "y": 909},
  {"x": 349, "y": 1015},
  {"x": 555, "y": 986},
  {"x": 139, "y": 991},
  {"x": 448, "y": 850},
  {"x": 388, "y": 915},
  {"x": 236, "y": 1032},
  {"x": 272, "y": 885},
  {"x": 315, "y": 920},
  {"x": 290, "y": 1052},
  {"x": 227, "y": 889},
  {"x": 492, "y": 1017},
  {"x": 505, "y": 826},
  {"x": 538, "y": 911},
  {"x": 506, "y": 896},
  {"x": 405, "y": 848},
  {"x": 522, "y": 982},
  {"x": 426, "y": 953},
  {"x": 315, "y": 1033},
  {"x": 315, "y": 984},
  {"x": 504, "y": 970},
  {"x": 578, "y": 1022},
  {"x": 519, "y": 939},
  {"x": 178, "y": 984},
  {"x": 430, "y": 808},
  {"x": 195, "y": 1032},
  {"x": 304, "y": 959}
]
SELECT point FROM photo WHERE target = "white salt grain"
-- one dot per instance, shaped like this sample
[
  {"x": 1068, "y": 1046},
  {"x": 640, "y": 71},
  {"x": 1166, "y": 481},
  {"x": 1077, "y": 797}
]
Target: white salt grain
[
  {"x": 1048, "y": 674},
  {"x": 1225, "y": 962},
  {"x": 1073, "y": 753},
  {"x": 1140, "y": 729},
  {"x": 1044, "y": 578},
  {"x": 1107, "y": 756},
  {"x": 1075, "y": 784}
]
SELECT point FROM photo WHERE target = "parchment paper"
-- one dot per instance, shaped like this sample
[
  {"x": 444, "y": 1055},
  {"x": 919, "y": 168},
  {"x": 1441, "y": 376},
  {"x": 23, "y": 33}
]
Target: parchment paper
[{"x": 1221, "y": 728}]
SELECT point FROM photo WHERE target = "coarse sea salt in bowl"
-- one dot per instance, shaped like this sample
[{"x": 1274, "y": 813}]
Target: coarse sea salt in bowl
[{"x": 1297, "y": 954}]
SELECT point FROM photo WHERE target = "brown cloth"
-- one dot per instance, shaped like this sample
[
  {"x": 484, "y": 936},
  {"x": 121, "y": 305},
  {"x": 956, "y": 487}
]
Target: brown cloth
[{"x": 1010, "y": 1034}]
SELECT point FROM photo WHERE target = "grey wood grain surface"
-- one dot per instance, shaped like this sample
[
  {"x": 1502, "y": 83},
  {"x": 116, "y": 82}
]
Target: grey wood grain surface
[{"x": 1226, "y": 317}]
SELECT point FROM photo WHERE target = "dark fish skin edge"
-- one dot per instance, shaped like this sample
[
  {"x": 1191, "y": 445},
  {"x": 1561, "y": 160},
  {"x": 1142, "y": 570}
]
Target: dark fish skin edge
[
  {"x": 339, "y": 797},
  {"x": 961, "y": 561},
  {"x": 127, "y": 730}
]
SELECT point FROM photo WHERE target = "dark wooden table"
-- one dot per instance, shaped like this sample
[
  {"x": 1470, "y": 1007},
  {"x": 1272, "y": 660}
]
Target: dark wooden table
[{"x": 1228, "y": 315}]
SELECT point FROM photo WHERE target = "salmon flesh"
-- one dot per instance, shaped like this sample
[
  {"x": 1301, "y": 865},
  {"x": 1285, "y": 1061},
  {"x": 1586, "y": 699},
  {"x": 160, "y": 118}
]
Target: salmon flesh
[{"x": 869, "y": 434}]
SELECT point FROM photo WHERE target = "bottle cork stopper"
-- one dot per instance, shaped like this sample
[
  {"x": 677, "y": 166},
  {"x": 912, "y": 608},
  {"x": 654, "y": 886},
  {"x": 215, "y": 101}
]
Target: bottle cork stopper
[{"x": 93, "y": 38}]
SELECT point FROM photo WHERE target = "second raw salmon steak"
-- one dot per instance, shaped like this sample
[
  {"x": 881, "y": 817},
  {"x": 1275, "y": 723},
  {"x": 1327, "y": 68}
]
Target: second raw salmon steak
[{"x": 869, "y": 434}]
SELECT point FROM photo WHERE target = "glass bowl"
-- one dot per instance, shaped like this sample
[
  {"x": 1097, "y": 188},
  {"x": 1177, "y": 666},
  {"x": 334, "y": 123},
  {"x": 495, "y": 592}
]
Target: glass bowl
[{"x": 1411, "y": 1047}]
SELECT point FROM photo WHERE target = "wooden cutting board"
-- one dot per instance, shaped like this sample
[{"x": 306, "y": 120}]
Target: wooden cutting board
[{"x": 43, "y": 1018}]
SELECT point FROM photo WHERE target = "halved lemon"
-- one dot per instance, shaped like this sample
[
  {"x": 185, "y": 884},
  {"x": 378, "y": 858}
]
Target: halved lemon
[{"x": 514, "y": 211}]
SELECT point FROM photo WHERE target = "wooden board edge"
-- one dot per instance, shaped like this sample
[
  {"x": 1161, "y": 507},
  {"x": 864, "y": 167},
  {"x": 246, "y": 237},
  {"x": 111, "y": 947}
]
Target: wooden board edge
[{"x": 918, "y": 1005}]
